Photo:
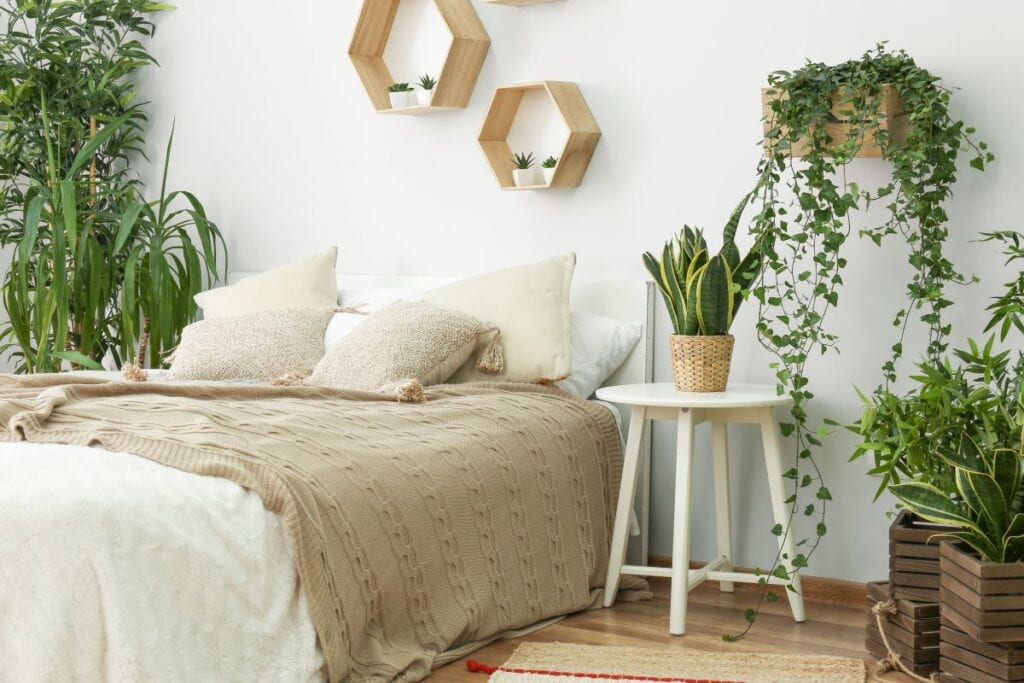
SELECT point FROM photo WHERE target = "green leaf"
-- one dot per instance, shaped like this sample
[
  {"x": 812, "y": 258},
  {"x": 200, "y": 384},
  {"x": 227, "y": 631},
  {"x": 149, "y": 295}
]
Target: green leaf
[{"x": 79, "y": 358}]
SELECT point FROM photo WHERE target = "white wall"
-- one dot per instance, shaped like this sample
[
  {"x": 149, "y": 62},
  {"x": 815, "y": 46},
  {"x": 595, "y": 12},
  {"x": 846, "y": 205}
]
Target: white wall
[{"x": 277, "y": 136}]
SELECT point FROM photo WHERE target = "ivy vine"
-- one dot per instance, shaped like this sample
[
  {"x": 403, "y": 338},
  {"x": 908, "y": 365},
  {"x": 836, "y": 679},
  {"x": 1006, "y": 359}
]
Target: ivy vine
[{"x": 805, "y": 220}]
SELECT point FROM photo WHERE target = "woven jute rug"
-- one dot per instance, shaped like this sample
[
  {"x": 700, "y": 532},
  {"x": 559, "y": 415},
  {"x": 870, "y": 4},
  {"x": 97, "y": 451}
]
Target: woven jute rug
[{"x": 565, "y": 663}]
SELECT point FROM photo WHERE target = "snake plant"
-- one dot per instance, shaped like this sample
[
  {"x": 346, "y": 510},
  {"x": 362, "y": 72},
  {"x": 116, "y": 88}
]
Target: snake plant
[{"x": 703, "y": 291}]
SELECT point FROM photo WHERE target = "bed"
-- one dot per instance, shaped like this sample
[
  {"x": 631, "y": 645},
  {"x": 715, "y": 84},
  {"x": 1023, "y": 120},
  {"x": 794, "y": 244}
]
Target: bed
[{"x": 481, "y": 512}]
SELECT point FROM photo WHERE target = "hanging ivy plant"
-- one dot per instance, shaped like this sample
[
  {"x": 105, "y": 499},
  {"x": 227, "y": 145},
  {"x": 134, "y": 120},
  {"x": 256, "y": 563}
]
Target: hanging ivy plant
[{"x": 805, "y": 221}]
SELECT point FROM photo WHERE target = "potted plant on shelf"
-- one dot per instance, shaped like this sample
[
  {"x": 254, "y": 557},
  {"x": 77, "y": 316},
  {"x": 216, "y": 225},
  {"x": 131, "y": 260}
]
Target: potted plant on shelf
[
  {"x": 702, "y": 293},
  {"x": 398, "y": 93},
  {"x": 426, "y": 92},
  {"x": 548, "y": 166},
  {"x": 522, "y": 173}
]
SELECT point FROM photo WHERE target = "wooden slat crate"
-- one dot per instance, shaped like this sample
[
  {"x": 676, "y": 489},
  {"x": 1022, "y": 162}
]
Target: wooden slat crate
[
  {"x": 913, "y": 632},
  {"x": 966, "y": 660},
  {"x": 893, "y": 119},
  {"x": 914, "y": 558},
  {"x": 983, "y": 599}
]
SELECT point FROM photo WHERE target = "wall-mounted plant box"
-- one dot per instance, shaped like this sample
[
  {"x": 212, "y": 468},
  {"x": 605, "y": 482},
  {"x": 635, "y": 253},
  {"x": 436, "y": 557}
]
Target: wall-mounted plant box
[
  {"x": 914, "y": 557},
  {"x": 913, "y": 632},
  {"x": 582, "y": 138},
  {"x": 892, "y": 119},
  {"x": 457, "y": 77}
]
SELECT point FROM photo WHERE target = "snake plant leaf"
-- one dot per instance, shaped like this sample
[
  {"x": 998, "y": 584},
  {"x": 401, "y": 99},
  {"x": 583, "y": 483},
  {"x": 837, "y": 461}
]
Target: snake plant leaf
[
  {"x": 654, "y": 268},
  {"x": 981, "y": 543},
  {"x": 668, "y": 275},
  {"x": 729, "y": 231},
  {"x": 714, "y": 297},
  {"x": 993, "y": 507},
  {"x": 966, "y": 457},
  {"x": 929, "y": 502},
  {"x": 1006, "y": 472},
  {"x": 731, "y": 253},
  {"x": 690, "y": 323}
]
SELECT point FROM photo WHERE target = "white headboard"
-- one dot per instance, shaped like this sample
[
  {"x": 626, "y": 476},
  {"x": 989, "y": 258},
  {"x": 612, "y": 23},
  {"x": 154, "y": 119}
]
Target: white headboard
[{"x": 625, "y": 300}]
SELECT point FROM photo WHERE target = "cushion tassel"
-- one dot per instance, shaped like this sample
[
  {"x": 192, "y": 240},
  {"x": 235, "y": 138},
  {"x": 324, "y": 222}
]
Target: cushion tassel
[
  {"x": 134, "y": 372},
  {"x": 410, "y": 391},
  {"x": 492, "y": 360},
  {"x": 292, "y": 378}
]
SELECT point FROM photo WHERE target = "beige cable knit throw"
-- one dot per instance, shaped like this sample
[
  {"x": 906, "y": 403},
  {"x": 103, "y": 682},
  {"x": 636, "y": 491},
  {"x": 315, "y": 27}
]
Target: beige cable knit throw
[{"x": 421, "y": 530}]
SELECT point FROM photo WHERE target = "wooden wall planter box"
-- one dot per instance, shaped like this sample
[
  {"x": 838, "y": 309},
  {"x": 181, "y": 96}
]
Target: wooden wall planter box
[
  {"x": 913, "y": 632},
  {"x": 983, "y": 599},
  {"x": 966, "y": 660},
  {"x": 894, "y": 119},
  {"x": 914, "y": 558}
]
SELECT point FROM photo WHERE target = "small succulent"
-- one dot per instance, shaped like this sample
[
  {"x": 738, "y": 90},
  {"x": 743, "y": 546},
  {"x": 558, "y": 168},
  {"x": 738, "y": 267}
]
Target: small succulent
[
  {"x": 523, "y": 161},
  {"x": 427, "y": 82},
  {"x": 550, "y": 162},
  {"x": 399, "y": 87}
]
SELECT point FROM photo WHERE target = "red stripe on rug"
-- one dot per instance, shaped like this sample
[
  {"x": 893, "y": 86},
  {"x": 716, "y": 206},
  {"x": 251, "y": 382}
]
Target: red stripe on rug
[{"x": 479, "y": 667}]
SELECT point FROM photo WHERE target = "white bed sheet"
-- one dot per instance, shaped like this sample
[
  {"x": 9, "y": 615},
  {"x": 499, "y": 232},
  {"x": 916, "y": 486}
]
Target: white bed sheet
[{"x": 115, "y": 568}]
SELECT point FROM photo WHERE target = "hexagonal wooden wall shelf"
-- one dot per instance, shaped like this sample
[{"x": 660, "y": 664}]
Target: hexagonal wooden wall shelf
[
  {"x": 457, "y": 78},
  {"x": 584, "y": 133}
]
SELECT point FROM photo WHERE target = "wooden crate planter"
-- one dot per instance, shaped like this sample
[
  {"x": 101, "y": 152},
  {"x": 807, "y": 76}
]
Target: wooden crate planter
[
  {"x": 966, "y": 660},
  {"x": 913, "y": 632},
  {"x": 914, "y": 558},
  {"x": 983, "y": 599},
  {"x": 893, "y": 119}
]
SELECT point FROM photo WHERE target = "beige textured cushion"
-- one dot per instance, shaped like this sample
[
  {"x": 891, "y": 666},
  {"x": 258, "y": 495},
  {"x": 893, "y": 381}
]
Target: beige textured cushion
[
  {"x": 307, "y": 283},
  {"x": 404, "y": 340},
  {"x": 261, "y": 346},
  {"x": 530, "y": 304}
]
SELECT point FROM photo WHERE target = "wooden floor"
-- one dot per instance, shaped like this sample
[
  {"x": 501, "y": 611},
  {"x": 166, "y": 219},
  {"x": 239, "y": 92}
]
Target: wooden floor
[{"x": 831, "y": 629}]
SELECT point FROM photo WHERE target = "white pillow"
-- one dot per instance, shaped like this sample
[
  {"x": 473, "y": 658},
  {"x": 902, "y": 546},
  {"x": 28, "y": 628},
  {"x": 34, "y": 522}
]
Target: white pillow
[
  {"x": 530, "y": 305},
  {"x": 599, "y": 346},
  {"x": 307, "y": 283},
  {"x": 366, "y": 301}
]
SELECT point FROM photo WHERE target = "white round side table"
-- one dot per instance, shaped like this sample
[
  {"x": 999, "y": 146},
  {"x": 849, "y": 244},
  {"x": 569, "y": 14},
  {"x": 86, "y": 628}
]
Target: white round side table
[{"x": 740, "y": 403}]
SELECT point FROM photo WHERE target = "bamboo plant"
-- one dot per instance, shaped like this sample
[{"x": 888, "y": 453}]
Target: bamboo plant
[{"x": 71, "y": 205}]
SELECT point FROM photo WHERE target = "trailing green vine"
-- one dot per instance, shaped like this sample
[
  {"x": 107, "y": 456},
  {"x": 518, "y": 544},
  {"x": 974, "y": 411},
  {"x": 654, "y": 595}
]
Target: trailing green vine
[{"x": 805, "y": 220}]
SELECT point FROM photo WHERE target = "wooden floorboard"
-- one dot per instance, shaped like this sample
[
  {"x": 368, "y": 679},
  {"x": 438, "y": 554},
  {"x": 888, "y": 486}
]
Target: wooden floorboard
[{"x": 831, "y": 629}]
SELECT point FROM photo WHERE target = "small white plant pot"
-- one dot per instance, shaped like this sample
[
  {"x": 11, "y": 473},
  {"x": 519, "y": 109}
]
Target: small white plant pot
[
  {"x": 549, "y": 173},
  {"x": 423, "y": 97},
  {"x": 522, "y": 176},
  {"x": 398, "y": 99}
]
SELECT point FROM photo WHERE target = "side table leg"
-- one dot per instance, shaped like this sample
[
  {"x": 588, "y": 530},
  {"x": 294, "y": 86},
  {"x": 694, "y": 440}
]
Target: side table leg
[
  {"x": 681, "y": 525},
  {"x": 627, "y": 491},
  {"x": 720, "y": 453},
  {"x": 776, "y": 483}
]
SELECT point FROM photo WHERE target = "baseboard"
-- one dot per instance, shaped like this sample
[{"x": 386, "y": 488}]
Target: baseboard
[{"x": 815, "y": 588}]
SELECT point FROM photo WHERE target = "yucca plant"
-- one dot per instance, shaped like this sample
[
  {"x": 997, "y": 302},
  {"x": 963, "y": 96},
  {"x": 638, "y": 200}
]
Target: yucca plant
[
  {"x": 523, "y": 161},
  {"x": 702, "y": 291},
  {"x": 987, "y": 505}
]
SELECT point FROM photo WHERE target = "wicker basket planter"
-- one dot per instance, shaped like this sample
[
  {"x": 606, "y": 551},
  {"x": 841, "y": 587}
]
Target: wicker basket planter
[
  {"x": 914, "y": 558},
  {"x": 701, "y": 363},
  {"x": 913, "y": 632},
  {"x": 985, "y": 600}
]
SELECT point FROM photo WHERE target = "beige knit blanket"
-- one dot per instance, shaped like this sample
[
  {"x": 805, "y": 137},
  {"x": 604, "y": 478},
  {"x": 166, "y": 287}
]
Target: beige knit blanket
[{"x": 421, "y": 530}]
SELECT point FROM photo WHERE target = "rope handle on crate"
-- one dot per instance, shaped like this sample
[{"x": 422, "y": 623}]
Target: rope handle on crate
[{"x": 892, "y": 661}]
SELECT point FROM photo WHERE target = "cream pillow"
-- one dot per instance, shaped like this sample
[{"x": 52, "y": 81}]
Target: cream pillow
[
  {"x": 261, "y": 346},
  {"x": 530, "y": 304},
  {"x": 307, "y": 283},
  {"x": 402, "y": 341}
]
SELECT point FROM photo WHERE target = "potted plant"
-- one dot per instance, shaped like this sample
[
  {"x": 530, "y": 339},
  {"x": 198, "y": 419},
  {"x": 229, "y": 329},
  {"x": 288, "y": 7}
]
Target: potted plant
[
  {"x": 702, "y": 293},
  {"x": 522, "y": 173},
  {"x": 398, "y": 93},
  {"x": 426, "y": 92},
  {"x": 548, "y": 166}
]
